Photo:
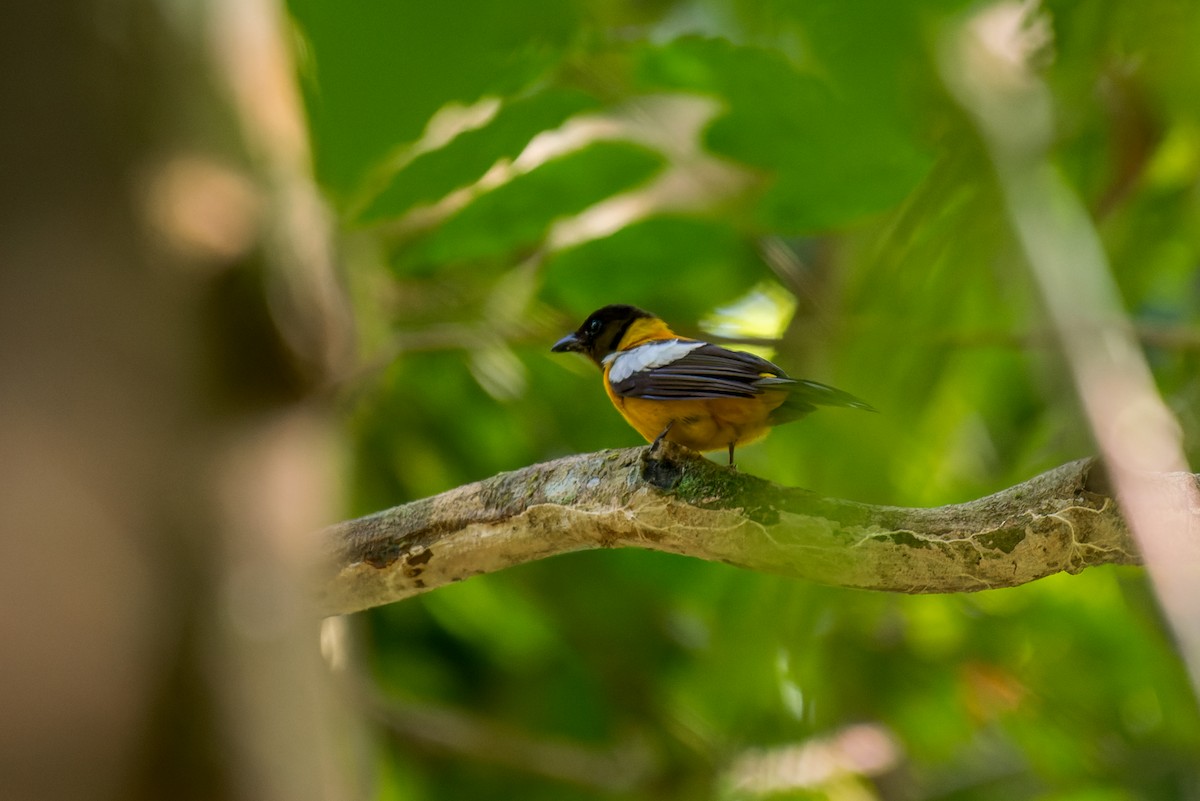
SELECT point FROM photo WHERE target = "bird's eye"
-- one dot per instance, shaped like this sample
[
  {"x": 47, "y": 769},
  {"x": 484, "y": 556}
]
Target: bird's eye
[{"x": 593, "y": 327}]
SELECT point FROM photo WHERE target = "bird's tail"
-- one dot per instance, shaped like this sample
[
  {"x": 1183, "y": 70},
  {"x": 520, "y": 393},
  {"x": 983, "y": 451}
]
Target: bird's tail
[{"x": 805, "y": 396}]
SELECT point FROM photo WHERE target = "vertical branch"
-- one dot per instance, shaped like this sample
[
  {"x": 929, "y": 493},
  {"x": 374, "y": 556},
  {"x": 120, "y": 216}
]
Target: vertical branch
[{"x": 988, "y": 66}]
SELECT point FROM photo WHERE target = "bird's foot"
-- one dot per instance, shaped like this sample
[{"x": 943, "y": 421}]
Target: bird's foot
[
  {"x": 656, "y": 445},
  {"x": 658, "y": 468}
]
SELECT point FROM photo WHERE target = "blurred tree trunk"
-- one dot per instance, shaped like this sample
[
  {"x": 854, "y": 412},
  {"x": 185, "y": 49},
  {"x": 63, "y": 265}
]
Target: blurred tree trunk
[{"x": 159, "y": 464}]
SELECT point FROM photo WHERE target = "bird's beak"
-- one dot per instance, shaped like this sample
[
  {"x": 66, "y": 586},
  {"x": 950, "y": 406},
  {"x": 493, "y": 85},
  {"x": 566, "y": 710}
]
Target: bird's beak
[{"x": 568, "y": 343}]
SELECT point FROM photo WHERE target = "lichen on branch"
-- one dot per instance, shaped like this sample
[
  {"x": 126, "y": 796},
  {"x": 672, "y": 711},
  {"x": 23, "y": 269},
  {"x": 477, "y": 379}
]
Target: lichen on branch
[{"x": 679, "y": 502}]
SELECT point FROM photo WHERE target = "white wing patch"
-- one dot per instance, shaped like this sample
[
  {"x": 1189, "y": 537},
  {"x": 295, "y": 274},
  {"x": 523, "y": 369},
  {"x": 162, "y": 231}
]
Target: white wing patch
[{"x": 646, "y": 357}]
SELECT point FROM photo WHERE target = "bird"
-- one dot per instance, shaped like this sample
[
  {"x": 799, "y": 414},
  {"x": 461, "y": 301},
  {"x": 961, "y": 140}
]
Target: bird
[{"x": 702, "y": 396}]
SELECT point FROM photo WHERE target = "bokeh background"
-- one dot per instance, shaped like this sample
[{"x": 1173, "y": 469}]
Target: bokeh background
[
  {"x": 792, "y": 175},
  {"x": 269, "y": 266}
]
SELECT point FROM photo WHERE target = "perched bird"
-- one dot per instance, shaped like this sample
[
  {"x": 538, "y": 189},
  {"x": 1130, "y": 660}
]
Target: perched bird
[{"x": 702, "y": 396}]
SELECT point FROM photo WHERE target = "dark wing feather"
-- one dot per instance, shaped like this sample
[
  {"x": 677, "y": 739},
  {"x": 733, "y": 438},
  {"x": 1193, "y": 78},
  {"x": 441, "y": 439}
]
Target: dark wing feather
[
  {"x": 711, "y": 372},
  {"x": 707, "y": 372}
]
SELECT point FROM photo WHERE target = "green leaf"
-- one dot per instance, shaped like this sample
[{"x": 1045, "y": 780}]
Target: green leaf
[
  {"x": 831, "y": 161},
  {"x": 379, "y": 70},
  {"x": 519, "y": 213},
  {"x": 469, "y": 155},
  {"x": 679, "y": 267}
]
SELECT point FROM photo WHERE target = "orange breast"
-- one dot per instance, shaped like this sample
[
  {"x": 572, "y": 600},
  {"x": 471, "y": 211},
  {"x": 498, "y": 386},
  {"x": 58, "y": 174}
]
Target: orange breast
[{"x": 702, "y": 425}]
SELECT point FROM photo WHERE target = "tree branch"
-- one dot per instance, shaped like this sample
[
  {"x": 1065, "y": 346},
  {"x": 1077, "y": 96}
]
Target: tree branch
[{"x": 681, "y": 503}]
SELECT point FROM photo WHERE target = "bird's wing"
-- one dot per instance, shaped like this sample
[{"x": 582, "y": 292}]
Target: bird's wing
[{"x": 674, "y": 369}]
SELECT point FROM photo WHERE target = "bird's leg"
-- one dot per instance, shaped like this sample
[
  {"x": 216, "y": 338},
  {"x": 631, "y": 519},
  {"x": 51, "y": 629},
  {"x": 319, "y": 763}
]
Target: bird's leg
[
  {"x": 658, "y": 440},
  {"x": 731, "y": 453}
]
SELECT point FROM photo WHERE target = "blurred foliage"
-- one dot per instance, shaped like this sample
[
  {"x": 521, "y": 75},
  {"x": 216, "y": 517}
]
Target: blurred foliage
[{"x": 501, "y": 170}]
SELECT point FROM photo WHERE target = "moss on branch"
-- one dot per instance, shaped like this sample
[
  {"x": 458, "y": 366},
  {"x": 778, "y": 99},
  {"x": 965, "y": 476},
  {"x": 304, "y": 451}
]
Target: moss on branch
[{"x": 679, "y": 502}]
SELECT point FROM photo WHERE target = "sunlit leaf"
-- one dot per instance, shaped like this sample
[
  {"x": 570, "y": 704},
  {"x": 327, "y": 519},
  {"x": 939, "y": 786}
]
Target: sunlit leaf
[
  {"x": 519, "y": 213},
  {"x": 467, "y": 157},
  {"x": 378, "y": 70}
]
